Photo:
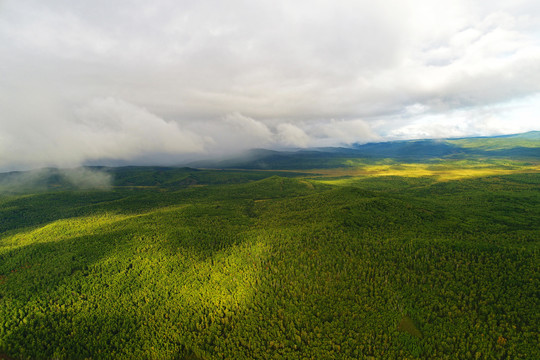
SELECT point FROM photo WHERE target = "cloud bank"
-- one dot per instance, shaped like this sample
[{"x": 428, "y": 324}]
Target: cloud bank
[{"x": 174, "y": 80}]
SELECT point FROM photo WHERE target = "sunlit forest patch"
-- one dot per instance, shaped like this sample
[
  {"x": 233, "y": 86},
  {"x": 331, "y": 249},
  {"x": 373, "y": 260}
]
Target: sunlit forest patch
[{"x": 439, "y": 170}]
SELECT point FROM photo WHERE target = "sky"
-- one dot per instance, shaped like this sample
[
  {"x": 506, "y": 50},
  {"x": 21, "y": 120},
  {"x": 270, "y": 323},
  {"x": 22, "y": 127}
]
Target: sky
[{"x": 157, "y": 82}]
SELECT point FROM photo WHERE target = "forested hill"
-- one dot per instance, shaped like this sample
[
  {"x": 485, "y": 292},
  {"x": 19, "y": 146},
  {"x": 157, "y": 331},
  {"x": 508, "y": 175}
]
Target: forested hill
[
  {"x": 202, "y": 265},
  {"x": 525, "y": 145}
]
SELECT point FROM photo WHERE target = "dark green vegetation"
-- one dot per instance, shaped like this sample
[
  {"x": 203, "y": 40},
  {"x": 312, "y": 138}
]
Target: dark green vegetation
[{"x": 172, "y": 263}]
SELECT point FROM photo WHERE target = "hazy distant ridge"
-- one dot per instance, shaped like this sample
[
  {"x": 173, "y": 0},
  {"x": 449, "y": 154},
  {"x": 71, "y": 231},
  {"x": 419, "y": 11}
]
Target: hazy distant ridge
[{"x": 524, "y": 145}]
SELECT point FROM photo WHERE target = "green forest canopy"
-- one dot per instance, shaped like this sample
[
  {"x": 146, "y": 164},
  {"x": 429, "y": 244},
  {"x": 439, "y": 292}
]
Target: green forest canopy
[{"x": 174, "y": 263}]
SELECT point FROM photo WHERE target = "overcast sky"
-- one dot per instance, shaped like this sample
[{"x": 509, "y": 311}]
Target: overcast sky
[{"x": 165, "y": 81}]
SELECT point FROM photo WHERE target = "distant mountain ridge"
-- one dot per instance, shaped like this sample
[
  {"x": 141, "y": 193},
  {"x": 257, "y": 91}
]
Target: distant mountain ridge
[
  {"x": 523, "y": 145},
  {"x": 525, "y": 135}
]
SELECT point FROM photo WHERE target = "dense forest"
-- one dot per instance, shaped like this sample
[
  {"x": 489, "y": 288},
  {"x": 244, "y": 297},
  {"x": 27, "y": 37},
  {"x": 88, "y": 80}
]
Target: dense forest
[{"x": 178, "y": 263}]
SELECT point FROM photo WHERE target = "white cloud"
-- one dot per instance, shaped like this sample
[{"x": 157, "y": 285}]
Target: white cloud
[
  {"x": 221, "y": 76},
  {"x": 485, "y": 121},
  {"x": 115, "y": 127},
  {"x": 291, "y": 135},
  {"x": 252, "y": 129},
  {"x": 345, "y": 132},
  {"x": 102, "y": 129}
]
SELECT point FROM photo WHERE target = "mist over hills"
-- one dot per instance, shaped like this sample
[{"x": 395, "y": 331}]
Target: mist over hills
[{"x": 524, "y": 145}]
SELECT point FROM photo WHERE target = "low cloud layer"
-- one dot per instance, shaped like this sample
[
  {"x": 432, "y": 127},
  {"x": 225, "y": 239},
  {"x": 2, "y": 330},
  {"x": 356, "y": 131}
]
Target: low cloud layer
[
  {"x": 47, "y": 178},
  {"x": 178, "y": 80}
]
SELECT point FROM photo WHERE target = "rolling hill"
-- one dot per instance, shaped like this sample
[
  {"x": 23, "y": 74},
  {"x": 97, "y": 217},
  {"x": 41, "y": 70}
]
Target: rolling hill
[{"x": 434, "y": 255}]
